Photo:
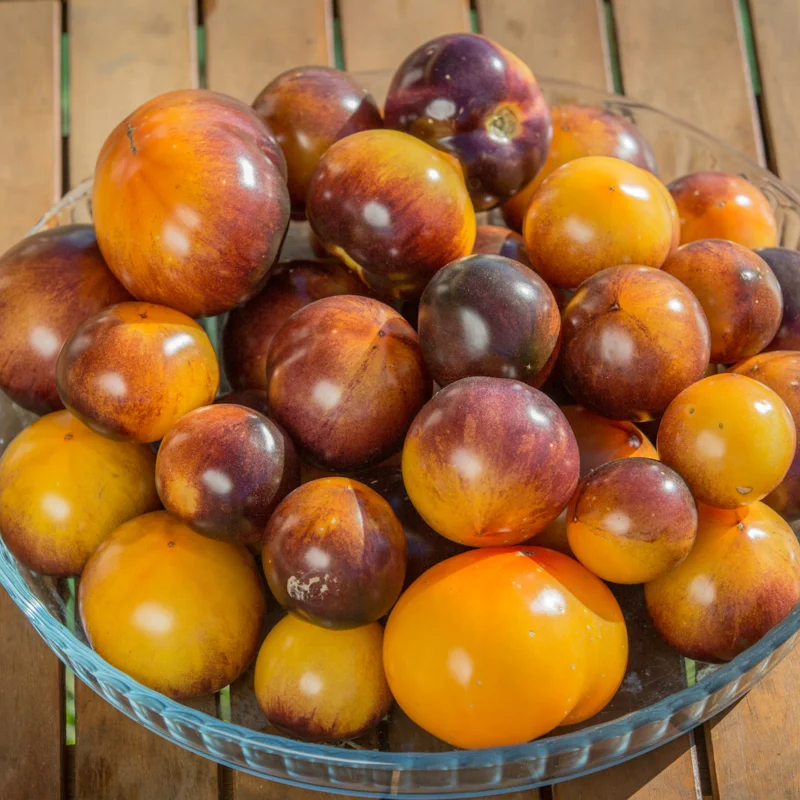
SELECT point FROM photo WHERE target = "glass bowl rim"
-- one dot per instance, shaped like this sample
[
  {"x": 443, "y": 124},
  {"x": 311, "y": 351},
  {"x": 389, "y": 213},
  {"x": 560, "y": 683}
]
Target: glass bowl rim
[{"x": 54, "y": 631}]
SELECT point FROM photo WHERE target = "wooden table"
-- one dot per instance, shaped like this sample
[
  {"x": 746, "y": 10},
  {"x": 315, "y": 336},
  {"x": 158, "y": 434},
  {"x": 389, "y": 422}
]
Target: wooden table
[{"x": 689, "y": 57}]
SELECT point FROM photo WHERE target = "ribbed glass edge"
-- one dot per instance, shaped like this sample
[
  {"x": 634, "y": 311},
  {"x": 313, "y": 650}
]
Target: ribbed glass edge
[{"x": 141, "y": 703}]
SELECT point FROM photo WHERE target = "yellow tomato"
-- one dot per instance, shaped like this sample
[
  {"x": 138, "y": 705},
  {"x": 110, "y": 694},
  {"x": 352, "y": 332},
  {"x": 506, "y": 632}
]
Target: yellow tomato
[
  {"x": 730, "y": 437},
  {"x": 179, "y": 612},
  {"x": 321, "y": 684},
  {"x": 65, "y": 488},
  {"x": 597, "y": 212}
]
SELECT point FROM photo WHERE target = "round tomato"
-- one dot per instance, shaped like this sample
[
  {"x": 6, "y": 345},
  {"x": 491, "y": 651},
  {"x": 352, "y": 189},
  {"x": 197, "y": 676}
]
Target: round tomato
[{"x": 499, "y": 645}]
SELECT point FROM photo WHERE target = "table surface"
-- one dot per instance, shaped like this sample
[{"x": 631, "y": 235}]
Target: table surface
[{"x": 71, "y": 70}]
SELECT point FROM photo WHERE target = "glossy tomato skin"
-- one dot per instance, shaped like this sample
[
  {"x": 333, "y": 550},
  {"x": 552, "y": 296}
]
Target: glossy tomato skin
[
  {"x": 472, "y": 98},
  {"x": 250, "y": 329},
  {"x": 223, "y": 469},
  {"x": 489, "y": 462},
  {"x": 346, "y": 378},
  {"x": 785, "y": 264},
  {"x": 133, "y": 370},
  {"x": 498, "y": 241},
  {"x": 335, "y": 554},
  {"x": 739, "y": 293},
  {"x": 179, "y": 612},
  {"x": 633, "y": 338},
  {"x": 322, "y": 685},
  {"x": 488, "y": 315},
  {"x": 425, "y": 546},
  {"x": 730, "y": 437},
  {"x": 780, "y": 371},
  {"x": 631, "y": 520},
  {"x": 580, "y": 131},
  {"x": 49, "y": 283},
  {"x": 594, "y": 213},
  {"x": 740, "y": 579},
  {"x": 176, "y": 187},
  {"x": 51, "y": 476},
  {"x": 500, "y": 645},
  {"x": 719, "y": 205},
  {"x": 308, "y": 109},
  {"x": 394, "y": 209}
]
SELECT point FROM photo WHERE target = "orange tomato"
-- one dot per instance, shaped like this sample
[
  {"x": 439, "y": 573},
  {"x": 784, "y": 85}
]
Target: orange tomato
[
  {"x": 64, "y": 488},
  {"x": 741, "y": 577},
  {"x": 731, "y": 438},
  {"x": 322, "y": 685},
  {"x": 580, "y": 131},
  {"x": 597, "y": 212},
  {"x": 179, "y": 612},
  {"x": 497, "y": 646}
]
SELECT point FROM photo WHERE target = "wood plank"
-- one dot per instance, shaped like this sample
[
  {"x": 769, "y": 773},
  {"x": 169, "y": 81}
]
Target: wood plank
[
  {"x": 536, "y": 31},
  {"x": 31, "y": 709},
  {"x": 116, "y": 757},
  {"x": 754, "y": 746},
  {"x": 249, "y": 43},
  {"x": 663, "y": 774},
  {"x": 776, "y": 30},
  {"x": 376, "y": 37},
  {"x": 687, "y": 57},
  {"x": 30, "y": 136},
  {"x": 122, "y": 54}
]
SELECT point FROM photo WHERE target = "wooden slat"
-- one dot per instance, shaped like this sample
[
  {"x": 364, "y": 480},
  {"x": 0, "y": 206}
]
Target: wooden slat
[
  {"x": 754, "y": 747},
  {"x": 32, "y": 700},
  {"x": 537, "y": 31},
  {"x": 687, "y": 57},
  {"x": 249, "y": 43},
  {"x": 664, "y": 774},
  {"x": 377, "y": 36},
  {"x": 32, "y": 711},
  {"x": 30, "y": 135},
  {"x": 776, "y": 30},
  {"x": 122, "y": 53},
  {"x": 116, "y": 757}
]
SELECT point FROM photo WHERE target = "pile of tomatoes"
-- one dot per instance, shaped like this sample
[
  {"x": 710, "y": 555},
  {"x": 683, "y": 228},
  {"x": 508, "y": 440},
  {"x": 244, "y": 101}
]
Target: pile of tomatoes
[{"x": 432, "y": 439}]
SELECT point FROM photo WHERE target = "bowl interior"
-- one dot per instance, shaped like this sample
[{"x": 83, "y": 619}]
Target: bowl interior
[{"x": 661, "y": 695}]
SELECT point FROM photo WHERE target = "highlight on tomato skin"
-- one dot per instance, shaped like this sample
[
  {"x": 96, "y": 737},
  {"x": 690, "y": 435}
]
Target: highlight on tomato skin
[
  {"x": 497, "y": 646},
  {"x": 741, "y": 578}
]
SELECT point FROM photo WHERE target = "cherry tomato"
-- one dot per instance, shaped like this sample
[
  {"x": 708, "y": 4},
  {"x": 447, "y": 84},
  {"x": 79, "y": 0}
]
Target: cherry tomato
[
  {"x": 731, "y": 438},
  {"x": 719, "y": 205},
  {"x": 64, "y": 488},
  {"x": 594, "y": 213},
  {"x": 631, "y": 520},
  {"x": 179, "y": 612},
  {"x": 741, "y": 577},
  {"x": 322, "y": 685}
]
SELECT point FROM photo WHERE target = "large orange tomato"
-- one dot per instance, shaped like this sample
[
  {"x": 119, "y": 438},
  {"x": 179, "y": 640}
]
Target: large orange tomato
[{"x": 497, "y": 646}]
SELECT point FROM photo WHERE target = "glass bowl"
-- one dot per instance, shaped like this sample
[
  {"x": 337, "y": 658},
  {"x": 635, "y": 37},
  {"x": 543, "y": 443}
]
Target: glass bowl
[{"x": 661, "y": 697}]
